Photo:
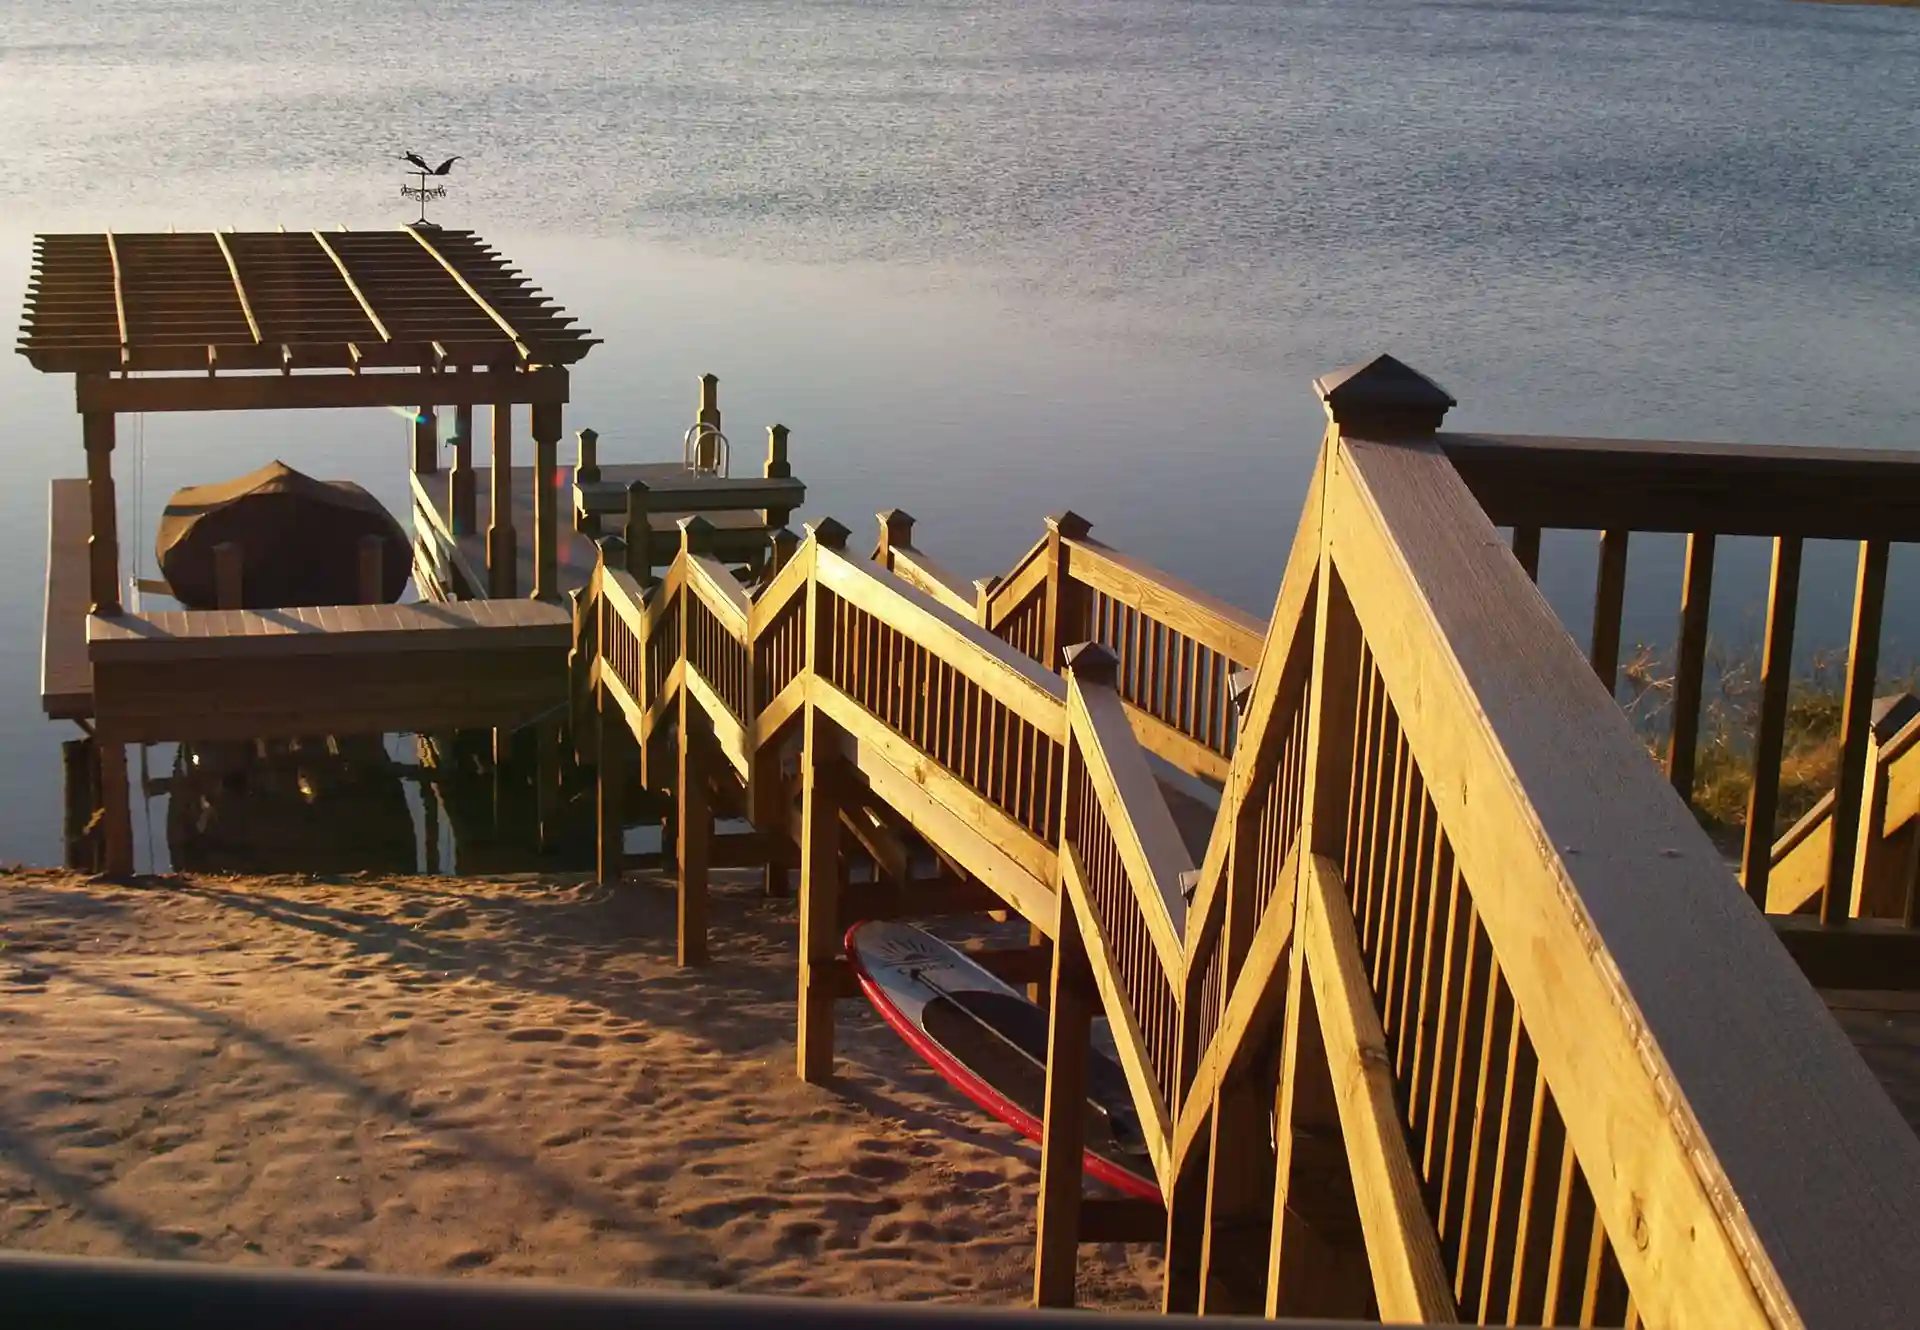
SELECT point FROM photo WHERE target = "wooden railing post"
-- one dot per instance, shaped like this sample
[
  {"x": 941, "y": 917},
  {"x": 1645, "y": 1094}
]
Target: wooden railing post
[
  {"x": 777, "y": 468},
  {"x": 103, "y": 536},
  {"x": 462, "y": 501},
  {"x": 503, "y": 551},
  {"x": 896, "y": 528},
  {"x": 546, "y": 482},
  {"x": 586, "y": 471},
  {"x": 1071, "y": 1008},
  {"x": 782, "y": 544},
  {"x": 692, "y": 805},
  {"x": 820, "y": 942},
  {"x": 1066, "y": 606},
  {"x": 639, "y": 534},
  {"x": 426, "y": 441},
  {"x": 1863, "y": 661}
]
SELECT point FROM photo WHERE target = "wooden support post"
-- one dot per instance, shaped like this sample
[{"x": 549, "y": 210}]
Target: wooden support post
[
  {"x": 1067, "y": 608},
  {"x": 116, "y": 812},
  {"x": 103, "y": 537},
  {"x": 1863, "y": 662},
  {"x": 1609, "y": 597},
  {"x": 426, "y": 441},
  {"x": 546, "y": 485},
  {"x": 81, "y": 788},
  {"x": 430, "y": 828},
  {"x": 639, "y": 534},
  {"x": 586, "y": 471},
  {"x": 782, "y": 544},
  {"x": 1186, "y": 1236},
  {"x": 503, "y": 551},
  {"x": 229, "y": 574},
  {"x": 1690, "y": 663},
  {"x": 1063, "y": 1134},
  {"x": 820, "y": 943},
  {"x": 462, "y": 501},
  {"x": 777, "y": 468},
  {"x": 373, "y": 571},
  {"x": 1239, "y": 1198},
  {"x": 614, "y": 741},
  {"x": 706, "y": 447}
]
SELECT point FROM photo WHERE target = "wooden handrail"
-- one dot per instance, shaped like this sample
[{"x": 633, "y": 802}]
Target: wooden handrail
[
  {"x": 1646, "y": 986},
  {"x": 1206, "y": 619},
  {"x": 917, "y": 570}
]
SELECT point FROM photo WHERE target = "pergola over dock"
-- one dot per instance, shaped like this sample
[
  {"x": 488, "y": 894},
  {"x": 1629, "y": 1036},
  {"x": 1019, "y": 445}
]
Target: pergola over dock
[
  {"x": 416, "y": 319},
  {"x": 413, "y": 318}
]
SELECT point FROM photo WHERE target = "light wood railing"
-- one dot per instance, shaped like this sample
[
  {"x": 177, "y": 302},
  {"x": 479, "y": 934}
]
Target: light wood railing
[{"x": 1457, "y": 1017}]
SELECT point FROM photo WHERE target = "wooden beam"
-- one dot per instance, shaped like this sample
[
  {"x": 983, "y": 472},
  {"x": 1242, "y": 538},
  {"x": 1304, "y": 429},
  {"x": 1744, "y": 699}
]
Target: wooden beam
[
  {"x": 267, "y": 392},
  {"x": 239, "y": 287},
  {"x": 1410, "y": 1278},
  {"x": 346, "y": 275},
  {"x": 119, "y": 295},
  {"x": 1070, "y": 1011},
  {"x": 1121, "y": 1219},
  {"x": 453, "y": 271}
]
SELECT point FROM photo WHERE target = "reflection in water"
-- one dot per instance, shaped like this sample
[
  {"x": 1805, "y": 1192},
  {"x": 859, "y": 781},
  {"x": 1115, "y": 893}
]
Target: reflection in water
[
  {"x": 347, "y": 804},
  {"x": 301, "y": 805}
]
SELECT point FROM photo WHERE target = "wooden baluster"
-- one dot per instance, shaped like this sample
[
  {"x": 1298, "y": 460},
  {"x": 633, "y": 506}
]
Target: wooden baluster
[
  {"x": 546, "y": 481},
  {"x": 228, "y": 576},
  {"x": 1070, "y": 1012},
  {"x": 1863, "y": 660},
  {"x": 1533, "y": 1244},
  {"x": 503, "y": 551},
  {"x": 586, "y": 471},
  {"x": 1776, "y": 674},
  {"x": 1609, "y": 598},
  {"x": 1690, "y": 663}
]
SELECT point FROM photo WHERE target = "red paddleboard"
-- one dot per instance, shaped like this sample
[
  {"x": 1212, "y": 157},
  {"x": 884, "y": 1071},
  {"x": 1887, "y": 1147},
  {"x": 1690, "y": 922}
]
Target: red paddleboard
[{"x": 990, "y": 1041}]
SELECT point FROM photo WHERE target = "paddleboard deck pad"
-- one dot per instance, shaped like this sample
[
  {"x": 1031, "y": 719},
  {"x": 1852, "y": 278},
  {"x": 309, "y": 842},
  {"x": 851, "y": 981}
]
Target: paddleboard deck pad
[{"x": 990, "y": 1041}]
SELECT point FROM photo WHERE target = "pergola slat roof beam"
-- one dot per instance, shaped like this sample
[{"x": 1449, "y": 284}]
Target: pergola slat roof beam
[{"x": 277, "y": 300}]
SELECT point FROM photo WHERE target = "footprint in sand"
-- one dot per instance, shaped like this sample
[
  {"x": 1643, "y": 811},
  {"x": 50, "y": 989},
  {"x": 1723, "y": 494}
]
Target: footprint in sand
[
  {"x": 536, "y": 1034},
  {"x": 877, "y": 1169},
  {"x": 471, "y": 1259}
]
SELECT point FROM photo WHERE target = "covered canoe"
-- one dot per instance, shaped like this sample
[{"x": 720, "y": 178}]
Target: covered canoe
[{"x": 299, "y": 540}]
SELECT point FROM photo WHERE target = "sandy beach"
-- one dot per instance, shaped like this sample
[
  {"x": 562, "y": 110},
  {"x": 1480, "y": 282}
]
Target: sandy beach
[{"x": 482, "y": 1077}]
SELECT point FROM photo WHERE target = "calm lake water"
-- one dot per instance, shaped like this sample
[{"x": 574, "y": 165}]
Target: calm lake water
[{"x": 992, "y": 259}]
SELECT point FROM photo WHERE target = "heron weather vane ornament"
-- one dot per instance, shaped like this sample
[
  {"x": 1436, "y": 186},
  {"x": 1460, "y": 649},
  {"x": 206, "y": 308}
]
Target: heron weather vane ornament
[{"x": 423, "y": 191}]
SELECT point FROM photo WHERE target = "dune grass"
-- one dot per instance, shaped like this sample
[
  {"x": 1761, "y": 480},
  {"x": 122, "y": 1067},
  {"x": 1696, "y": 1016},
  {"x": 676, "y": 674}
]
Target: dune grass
[{"x": 1729, "y": 719}]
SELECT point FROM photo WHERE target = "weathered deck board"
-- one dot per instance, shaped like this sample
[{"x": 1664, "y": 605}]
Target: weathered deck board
[
  {"x": 329, "y": 630},
  {"x": 66, "y": 677}
]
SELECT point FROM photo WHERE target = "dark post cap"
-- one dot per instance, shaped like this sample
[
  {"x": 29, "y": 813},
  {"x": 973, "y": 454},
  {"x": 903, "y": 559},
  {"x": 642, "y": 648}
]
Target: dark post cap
[
  {"x": 1069, "y": 524},
  {"x": 696, "y": 535},
  {"x": 828, "y": 533},
  {"x": 613, "y": 551},
  {"x": 1089, "y": 662},
  {"x": 896, "y": 526},
  {"x": 1383, "y": 398}
]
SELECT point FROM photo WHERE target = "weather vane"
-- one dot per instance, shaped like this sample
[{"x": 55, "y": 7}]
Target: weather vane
[{"x": 423, "y": 191}]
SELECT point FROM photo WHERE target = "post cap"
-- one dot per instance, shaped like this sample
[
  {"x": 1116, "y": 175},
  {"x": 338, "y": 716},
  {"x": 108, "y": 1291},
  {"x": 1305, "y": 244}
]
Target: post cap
[
  {"x": 1383, "y": 398},
  {"x": 613, "y": 551},
  {"x": 587, "y": 436},
  {"x": 896, "y": 526},
  {"x": 696, "y": 534},
  {"x": 828, "y": 533},
  {"x": 1069, "y": 524},
  {"x": 1089, "y": 662}
]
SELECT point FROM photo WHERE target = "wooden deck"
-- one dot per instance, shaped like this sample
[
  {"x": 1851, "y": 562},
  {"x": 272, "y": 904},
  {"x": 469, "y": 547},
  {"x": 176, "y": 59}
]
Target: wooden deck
[
  {"x": 738, "y": 534},
  {"x": 353, "y": 669}
]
